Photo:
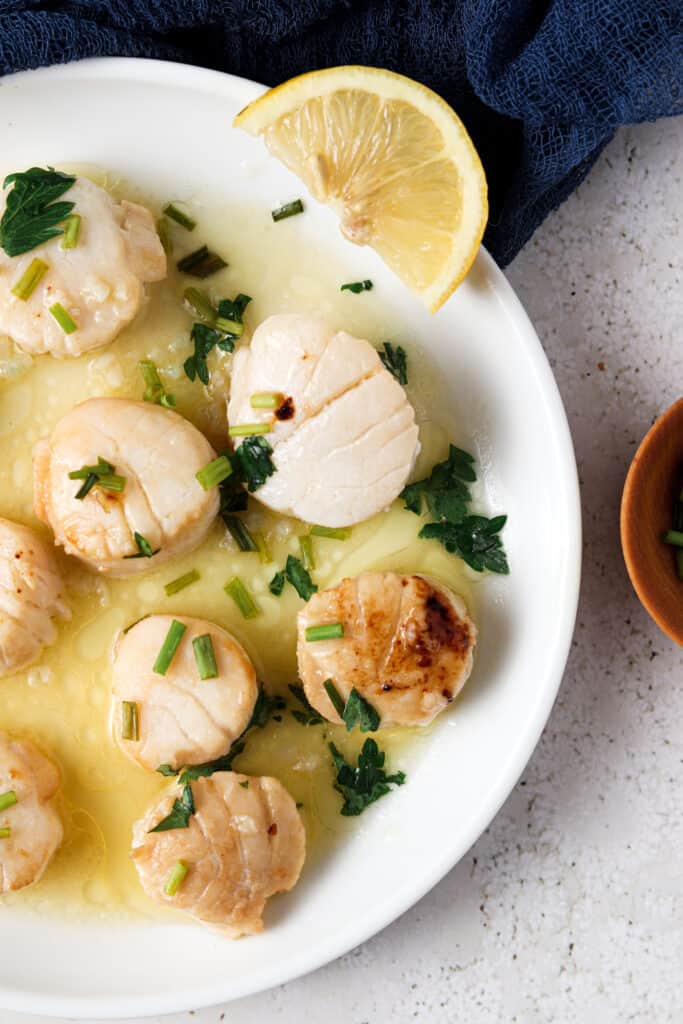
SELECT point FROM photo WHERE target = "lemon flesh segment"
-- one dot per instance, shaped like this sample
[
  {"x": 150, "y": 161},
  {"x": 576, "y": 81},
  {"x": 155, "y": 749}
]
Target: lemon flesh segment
[{"x": 403, "y": 176}]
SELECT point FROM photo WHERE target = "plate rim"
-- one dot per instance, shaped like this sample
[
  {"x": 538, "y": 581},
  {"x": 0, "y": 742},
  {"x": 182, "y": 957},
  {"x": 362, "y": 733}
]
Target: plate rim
[{"x": 155, "y": 71}]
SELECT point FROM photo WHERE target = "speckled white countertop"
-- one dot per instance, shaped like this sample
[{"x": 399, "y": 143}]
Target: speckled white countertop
[{"x": 570, "y": 907}]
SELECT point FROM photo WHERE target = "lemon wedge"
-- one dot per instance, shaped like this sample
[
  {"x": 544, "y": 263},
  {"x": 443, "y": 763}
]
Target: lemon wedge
[{"x": 393, "y": 160}]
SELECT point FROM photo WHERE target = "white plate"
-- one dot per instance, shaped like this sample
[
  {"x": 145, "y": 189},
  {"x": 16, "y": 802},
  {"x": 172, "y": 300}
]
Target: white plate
[{"x": 166, "y": 126}]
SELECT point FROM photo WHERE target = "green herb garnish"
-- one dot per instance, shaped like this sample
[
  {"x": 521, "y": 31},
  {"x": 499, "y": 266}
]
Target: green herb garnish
[
  {"x": 245, "y": 784},
  {"x": 169, "y": 647},
  {"x": 201, "y": 263},
  {"x": 277, "y": 584},
  {"x": 240, "y": 533},
  {"x": 249, "y": 429},
  {"x": 266, "y": 400},
  {"x": 395, "y": 361},
  {"x": 129, "y": 720},
  {"x": 215, "y": 472},
  {"x": 242, "y": 597},
  {"x": 360, "y": 786},
  {"x": 179, "y": 216},
  {"x": 5, "y": 833},
  {"x": 101, "y": 475},
  {"x": 335, "y": 696},
  {"x": 8, "y": 799},
  {"x": 63, "y": 319},
  {"x": 205, "y": 656},
  {"x": 224, "y": 326},
  {"x": 332, "y": 532},
  {"x": 264, "y": 708},
  {"x": 253, "y": 462},
  {"x": 359, "y": 711},
  {"x": 154, "y": 389},
  {"x": 261, "y": 543},
  {"x": 72, "y": 229},
  {"x": 329, "y": 631},
  {"x": 474, "y": 539},
  {"x": 307, "y": 556},
  {"x": 32, "y": 217},
  {"x": 144, "y": 547},
  {"x": 287, "y": 210},
  {"x": 176, "y": 878},
  {"x": 445, "y": 489},
  {"x": 309, "y": 716},
  {"x": 181, "y": 812},
  {"x": 29, "y": 280},
  {"x": 298, "y": 576},
  {"x": 357, "y": 287},
  {"x": 175, "y": 586}
]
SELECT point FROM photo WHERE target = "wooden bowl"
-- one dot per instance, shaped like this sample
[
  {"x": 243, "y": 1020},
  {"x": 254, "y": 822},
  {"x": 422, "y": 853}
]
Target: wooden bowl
[{"x": 652, "y": 485}]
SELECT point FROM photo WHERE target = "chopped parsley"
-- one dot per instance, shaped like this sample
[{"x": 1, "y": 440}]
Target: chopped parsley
[
  {"x": 277, "y": 584},
  {"x": 395, "y": 361},
  {"x": 357, "y": 287},
  {"x": 445, "y": 490},
  {"x": 361, "y": 785},
  {"x": 253, "y": 462},
  {"x": 295, "y": 573},
  {"x": 181, "y": 812},
  {"x": 475, "y": 539},
  {"x": 222, "y": 332},
  {"x": 32, "y": 216},
  {"x": 309, "y": 716},
  {"x": 359, "y": 711}
]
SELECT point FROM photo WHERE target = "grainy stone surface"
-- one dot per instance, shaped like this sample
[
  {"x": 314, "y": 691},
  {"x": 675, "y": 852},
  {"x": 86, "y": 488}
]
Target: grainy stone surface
[{"x": 570, "y": 907}]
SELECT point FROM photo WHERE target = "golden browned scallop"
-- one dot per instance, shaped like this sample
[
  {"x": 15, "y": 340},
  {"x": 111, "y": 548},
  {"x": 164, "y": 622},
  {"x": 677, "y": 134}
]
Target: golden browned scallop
[
  {"x": 157, "y": 452},
  {"x": 30, "y": 826},
  {"x": 31, "y": 596},
  {"x": 407, "y": 646},
  {"x": 182, "y": 719},
  {"x": 245, "y": 843},
  {"x": 99, "y": 283}
]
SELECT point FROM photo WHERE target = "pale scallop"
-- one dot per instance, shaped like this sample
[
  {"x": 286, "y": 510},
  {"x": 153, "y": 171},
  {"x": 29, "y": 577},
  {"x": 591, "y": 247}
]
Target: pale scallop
[
  {"x": 245, "y": 843},
  {"x": 35, "y": 827},
  {"x": 347, "y": 449},
  {"x": 31, "y": 596},
  {"x": 407, "y": 647},
  {"x": 182, "y": 719},
  {"x": 158, "y": 452},
  {"x": 100, "y": 282}
]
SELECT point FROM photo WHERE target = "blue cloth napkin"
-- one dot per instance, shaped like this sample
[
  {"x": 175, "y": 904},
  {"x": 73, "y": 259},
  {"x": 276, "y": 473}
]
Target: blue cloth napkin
[{"x": 541, "y": 85}]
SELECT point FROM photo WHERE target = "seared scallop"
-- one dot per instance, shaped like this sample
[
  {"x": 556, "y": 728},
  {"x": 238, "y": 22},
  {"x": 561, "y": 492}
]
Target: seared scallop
[
  {"x": 180, "y": 717},
  {"x": 31, "y": 596},
  {"x": 157, "y": 453},
  {"x": 344, "y": 438},
  {"x": 99, "y": 282},
  {"x": 407, "y": 646},
  {"x": 245, "y": 843},
  {"x": 30, "y": 826}
]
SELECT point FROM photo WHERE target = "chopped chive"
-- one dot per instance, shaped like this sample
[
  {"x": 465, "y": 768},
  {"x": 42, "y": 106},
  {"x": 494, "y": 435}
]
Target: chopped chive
[
  {"x": 214, "y": 473},
  {"x": 262, "y": 548},
  {"x": 330, "y": 631},
  {"x": 228, "y": 326},
  {"x": 266, "y": 400},
  {"x": 357, "y": 287},
  {"x": 335, "y": 696},
  {"x": 205, "y": 657},
  {"x": 249, "y": 429},
  {"x": 307, "y": 556},
  {"x": 154, "y": 389},
  {"x": 173, "y": 213},
  {"x": 287, "y": 210},
  {"x": 674, "y": 537},
  {"x": 87, "y": 486},
  {"x": 332, "y": 532},
  {"x": 200, "y": 304},
  {"x": 144, "y": 547},
  {"x": 240, "y": 534},
  {"x": 72, "y": 229},
  {"x": 201, "y": 263},
  {"x": 242, "y": 598},
  {"x": 175, "y": 586},
  {"x": 63, "y": 319},
  {"x": 8, "y": 799},
  {"x": 169, "y": 647},
  {"x": 28, "y": 281},
  {"x": 164, "y": 234},
  {"x": 5, "y": 833},
  {"x": 129, "y": 720},
  {"x": 101, "y": 469},
  {"x": 112, "y": 482},
  {"x": 176, "y": 878}
]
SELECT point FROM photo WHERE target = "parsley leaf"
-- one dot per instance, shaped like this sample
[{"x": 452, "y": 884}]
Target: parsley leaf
[
  {"x": 309, "y": 716},
  {"x": 395, "y": 361},
  {"x": 357, "y": 287},
  {"x": 219, "y": 764},
  {"x": 277, "y": 584},
  {"x": 31, "y": 215},
  {"x": 233, "y": 309},
  {"x": 252, "y": 462},
  {"x": 365, "y": 783},
  {"x": 475, "y": 539},
  {"x": 300, "y": 578},
  {"x": 263, "y": 708},
  {"x": 205, "y": 338},
  {"x": 359, "y": 712},
  {"x": 445, "y": 490},
  {"x": 181, "y": 812}
]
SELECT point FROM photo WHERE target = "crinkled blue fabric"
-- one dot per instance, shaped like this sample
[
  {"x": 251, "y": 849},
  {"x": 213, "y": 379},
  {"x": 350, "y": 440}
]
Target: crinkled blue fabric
[{"x": 541, "y": 85}]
